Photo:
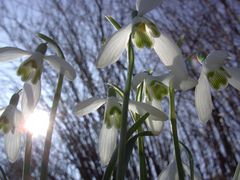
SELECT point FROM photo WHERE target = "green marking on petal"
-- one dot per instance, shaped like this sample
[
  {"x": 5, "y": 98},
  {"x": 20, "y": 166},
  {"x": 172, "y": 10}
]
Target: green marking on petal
[
  {"x": 140, "y": 37},
  {"x": 153, "y": 29},
  {"x": 158, "y": 89},
  {"x": 113, "y": 117},
  {"x": 218, "y": 78}
]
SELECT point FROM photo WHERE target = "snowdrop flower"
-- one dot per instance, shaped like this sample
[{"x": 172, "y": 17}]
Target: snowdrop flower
[
  {"x": 171, "y": 173},
  {"x": 32, "y": 67},
  {"x": 171, "y": 56},
  {"x": 215, "y": 75},
  {"x": 153, "y": 92},
  {"x": 112, "y": 119},
  {"x": 143, "y": 33},
  {"x": 12, "y": 120}
]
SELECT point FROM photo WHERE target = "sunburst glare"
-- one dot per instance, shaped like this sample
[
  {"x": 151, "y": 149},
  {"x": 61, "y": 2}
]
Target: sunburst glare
[{"x": 37, "y": 123}]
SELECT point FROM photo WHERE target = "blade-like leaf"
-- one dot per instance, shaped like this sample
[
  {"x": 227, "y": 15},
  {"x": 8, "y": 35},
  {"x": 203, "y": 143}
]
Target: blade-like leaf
[
  {"x": 115, "y": 24},
  {"x": 191, "y": 161},
  {"x": 53, "y": 43}
]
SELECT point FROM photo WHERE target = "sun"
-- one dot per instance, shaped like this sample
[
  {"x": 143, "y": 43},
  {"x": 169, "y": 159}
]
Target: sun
[{"x": 37, "y": 123}]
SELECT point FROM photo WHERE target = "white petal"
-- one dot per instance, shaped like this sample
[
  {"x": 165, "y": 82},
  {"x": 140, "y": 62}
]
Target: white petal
[
  {"x": 89, "y": 106},
  {"x": 11, "y": 53},
  {"x": 61, "y": 66},
  {"x": 155, "y": 125},
  {"x": 138, "y": 78},
  {"x": 114, "y": 47},
  {"x": 107, "y": 143},
  {"x": 203, "y": 99},
  {"x": 237, "y": 173},
  {"x": 234, "y": 80},
  {"x": 215, "y": 59},
  {"x": 142, "y": 108},
  {"x": 167, "y": 49},
  {"x": 187, "y": 84},
  {"x": 170, "y": 173},
  {"x": 30, "y": 97},
  {"x": 12, "y": 145},
  {"x": 144, "y": 6}
]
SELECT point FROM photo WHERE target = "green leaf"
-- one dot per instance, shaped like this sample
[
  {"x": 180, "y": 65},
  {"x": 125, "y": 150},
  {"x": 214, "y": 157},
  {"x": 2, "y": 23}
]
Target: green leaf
[
  {"x": 136, "y": 125},
  {"x": 53, "y": 43},
  {"x": 117, "y": 89},
  {"x": 115, "y": 24},
  {"x": 191, "y": 161}
]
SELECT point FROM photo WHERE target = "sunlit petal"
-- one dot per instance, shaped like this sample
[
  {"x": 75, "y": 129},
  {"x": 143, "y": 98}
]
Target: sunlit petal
[
  {"x": 62, "y": 66},
  {"x": 144, "y": 6},
  {"x": 114, "y": 47},
  {"x": 155, "y": 125},
  {"x": 88, "y": 106},
  {"x": 142, "y": 108},
  {"x": 12, "y": 145},
  {"x": 234, "y": 80},
  {"x": 107, "y": 143},
  {"x": 203, "y": 99},
  {"x": 215, "y": 59},
  {"x": 30, "y": 97},
  {"x": 166, "y": 49},
  {"x": 11, "y": 53}
]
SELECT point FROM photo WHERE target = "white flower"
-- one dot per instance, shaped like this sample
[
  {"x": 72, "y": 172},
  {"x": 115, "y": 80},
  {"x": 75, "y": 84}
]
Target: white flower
[
  {"x": 171, "y": 173},
  {"x": 171, "y": 56},
  {"x": 143, "y": 31},
  {"x": 153, "y": 92},
  {"x": 215, "y": 75},
  {"x": 12, "y": 120},
  {"x": 112, "y": 120},
  {"x": 32, "y": 67}
]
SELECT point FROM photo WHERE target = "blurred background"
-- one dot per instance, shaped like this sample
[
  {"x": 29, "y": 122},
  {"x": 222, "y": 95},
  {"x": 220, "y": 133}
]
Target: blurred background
[{"x": 79, "y": 26}]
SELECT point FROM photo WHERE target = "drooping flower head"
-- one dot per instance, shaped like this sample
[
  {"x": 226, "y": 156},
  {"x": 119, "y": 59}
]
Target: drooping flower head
[
  {"x": 112, "y": 119},
  {"x": 153, "y": 93},
  {"x": 31, "y": 69},
  {"x": 11, "y": 121},
  {"x": 143, "y": 33},
  {"x": 215, "y": 75}
]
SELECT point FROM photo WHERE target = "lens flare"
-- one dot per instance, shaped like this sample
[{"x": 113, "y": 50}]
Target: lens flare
[{"x": 37, "y": 123}]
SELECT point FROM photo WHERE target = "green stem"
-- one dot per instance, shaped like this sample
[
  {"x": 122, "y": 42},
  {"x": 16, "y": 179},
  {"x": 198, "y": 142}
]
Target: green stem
[
  {"x": 48, "y": 140},
  {"x": 175, "y": 133},
  {"x": 141, "y": 154},
  {"x": 123, "y": 133},
  {"x": 27, "y": 158}
]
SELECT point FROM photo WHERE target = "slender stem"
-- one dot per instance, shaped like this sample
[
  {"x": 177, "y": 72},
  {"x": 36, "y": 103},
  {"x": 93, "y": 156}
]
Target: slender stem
[
  {"x": 175, "y": 133},
  {"x": 48, "y": 140},
  {"x": 141, "y": 154},
  {"x": 27, "y": 158},
  {"x": 123, "y": 133}
]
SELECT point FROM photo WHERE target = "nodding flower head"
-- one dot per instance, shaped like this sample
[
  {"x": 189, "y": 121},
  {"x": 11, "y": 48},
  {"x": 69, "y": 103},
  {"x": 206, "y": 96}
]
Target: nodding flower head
[
  {"x": 113, "y": 110},
  {"x": 143, "y": 33},
  {"x": 8, "y": 117},
  {"x": 32, "y": 67}
]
